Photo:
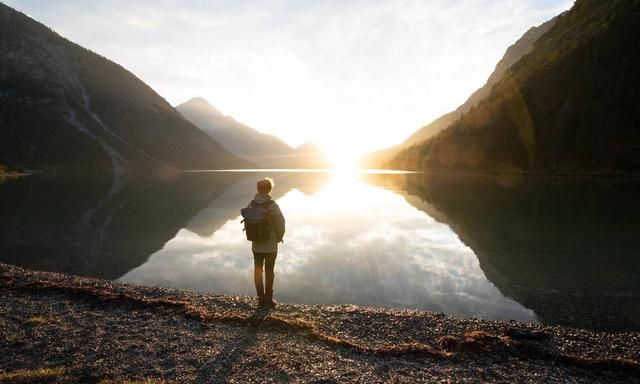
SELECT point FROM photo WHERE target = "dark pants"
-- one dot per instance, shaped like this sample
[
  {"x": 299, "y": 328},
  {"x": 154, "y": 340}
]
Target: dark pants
[{"x": 266, "y": 261}]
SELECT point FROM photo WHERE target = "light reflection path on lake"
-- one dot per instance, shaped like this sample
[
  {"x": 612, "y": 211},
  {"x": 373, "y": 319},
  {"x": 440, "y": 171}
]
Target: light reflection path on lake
[{"x": 349, "y": 242}]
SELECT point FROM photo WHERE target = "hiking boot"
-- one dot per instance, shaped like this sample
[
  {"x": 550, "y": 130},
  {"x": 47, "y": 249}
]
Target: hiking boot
[
  {"x": 268, "y": 299},
  {"x": 262, "y": 301},
  {"x": 270, "y": 303}
]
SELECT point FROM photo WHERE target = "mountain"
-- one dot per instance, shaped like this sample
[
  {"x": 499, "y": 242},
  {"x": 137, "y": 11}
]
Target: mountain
[
  {"x": 65, "y": 107},
  {"x": 310, "y": 155},
  {"x": 241, "y": 140},
  {"x": 267, "y": 151},
  {"x": 520, "y": 48},
  {"x": 569, "y": 106}
]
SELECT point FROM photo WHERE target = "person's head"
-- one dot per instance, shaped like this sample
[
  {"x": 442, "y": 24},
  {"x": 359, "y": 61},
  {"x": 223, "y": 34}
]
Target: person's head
[{"x": 265, "y": 185}]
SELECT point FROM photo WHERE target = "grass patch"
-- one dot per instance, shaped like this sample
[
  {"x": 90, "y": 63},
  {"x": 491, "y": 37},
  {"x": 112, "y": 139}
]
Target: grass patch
[
  {"x": 29, "y": 375},
  {"x": 36, "y": 320}
]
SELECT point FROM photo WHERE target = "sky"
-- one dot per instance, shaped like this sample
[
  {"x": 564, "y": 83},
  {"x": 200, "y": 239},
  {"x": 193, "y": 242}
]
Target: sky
[{"x": 352, "y": 76}]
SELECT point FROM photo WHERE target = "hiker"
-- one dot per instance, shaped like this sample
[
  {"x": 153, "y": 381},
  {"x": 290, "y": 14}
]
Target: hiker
[{"x": 266, "y": 251}]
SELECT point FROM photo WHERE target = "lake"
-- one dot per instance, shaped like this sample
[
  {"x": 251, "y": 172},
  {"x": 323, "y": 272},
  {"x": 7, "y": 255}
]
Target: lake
[{"x": 555, "y": 250}]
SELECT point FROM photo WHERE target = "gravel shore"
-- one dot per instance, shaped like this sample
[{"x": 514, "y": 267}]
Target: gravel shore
[{"x": 66, "y": 329}]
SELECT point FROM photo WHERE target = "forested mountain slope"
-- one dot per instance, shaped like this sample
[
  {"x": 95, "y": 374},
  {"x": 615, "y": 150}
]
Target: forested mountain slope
[
  {"x": 570, "y": 106},
  {"x": 517, "y": 50}
]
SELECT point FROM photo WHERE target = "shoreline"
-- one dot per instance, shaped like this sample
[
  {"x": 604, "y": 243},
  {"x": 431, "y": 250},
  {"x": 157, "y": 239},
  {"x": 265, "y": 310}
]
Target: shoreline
[
  {"x": 14, "y": 175},
  {"x": 90, "y": 330},
  {"x": 359, "y": 170}
]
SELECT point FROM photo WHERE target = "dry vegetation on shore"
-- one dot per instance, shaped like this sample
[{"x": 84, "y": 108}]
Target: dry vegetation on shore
[{"x": 58, "y": 328}]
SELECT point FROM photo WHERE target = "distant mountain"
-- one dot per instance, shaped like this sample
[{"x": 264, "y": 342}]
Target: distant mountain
[
  {"x": 569, "y": 106},
  {"x": 520, "y": 48},
  {"x": 243, "y": 141},
  {"x": 65, "y": 107},
  {"x": 310, "y": 155},
  {"x": 267, "y": 151}
]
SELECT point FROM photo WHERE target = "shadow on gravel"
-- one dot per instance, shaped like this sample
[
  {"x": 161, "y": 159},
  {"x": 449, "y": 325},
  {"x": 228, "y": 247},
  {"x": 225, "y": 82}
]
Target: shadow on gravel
[{"x": 218, "y": 369}]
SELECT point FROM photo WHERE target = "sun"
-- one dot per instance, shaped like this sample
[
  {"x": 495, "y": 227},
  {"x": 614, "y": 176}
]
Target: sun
[{"x": 342, "y": 158}]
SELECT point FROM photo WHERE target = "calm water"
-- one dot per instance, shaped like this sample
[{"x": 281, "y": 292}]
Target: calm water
[{"x": 555, "y": 250}]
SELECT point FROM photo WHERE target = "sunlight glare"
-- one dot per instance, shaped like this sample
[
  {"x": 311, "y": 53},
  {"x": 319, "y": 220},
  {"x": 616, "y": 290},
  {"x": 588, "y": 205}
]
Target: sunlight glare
[{"x": 342, "y": 158}]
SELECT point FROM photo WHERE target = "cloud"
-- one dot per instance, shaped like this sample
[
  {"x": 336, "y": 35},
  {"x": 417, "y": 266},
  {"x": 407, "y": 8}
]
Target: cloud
[{"x": 139, "y": 22}]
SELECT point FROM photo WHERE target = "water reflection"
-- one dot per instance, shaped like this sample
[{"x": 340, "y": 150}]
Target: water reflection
[
  {"x": 565, "y": 247},
  {"x": 72, "y": 225},
  {"x": 560, "y": 250},
  {"x": 346, "y": 242}
]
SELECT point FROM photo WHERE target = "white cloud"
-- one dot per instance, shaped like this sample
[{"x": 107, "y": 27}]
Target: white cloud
[{"x": 139, "y": 22}]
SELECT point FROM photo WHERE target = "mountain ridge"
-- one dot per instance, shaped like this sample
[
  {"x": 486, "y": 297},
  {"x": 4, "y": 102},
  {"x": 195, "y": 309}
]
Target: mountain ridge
[
  {"x": 570, "y": 106},
  {"x": 64, "y": 107},
  {"x": 240, "y": 139},
  {"x": 265, "y": 150},
  {"x": 513, "y": 53}
]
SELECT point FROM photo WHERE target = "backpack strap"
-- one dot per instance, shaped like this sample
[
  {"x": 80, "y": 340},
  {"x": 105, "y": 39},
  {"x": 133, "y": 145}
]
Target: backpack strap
[
  {"x": 269, "y": 216},
  {"x": 267, "y": 205}
]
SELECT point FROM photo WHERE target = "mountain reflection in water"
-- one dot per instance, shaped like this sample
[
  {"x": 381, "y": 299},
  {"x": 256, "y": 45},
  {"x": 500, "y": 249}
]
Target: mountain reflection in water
[
  {"x": 568, "y": 248},
  {"x": 347, "y": 242},
  {"x": 68, "y": 225},
  {"x": 563, "y": 251}
]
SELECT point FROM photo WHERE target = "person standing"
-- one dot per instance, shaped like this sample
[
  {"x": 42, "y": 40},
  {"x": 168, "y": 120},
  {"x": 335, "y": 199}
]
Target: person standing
[{"x": 265, "y": 252}]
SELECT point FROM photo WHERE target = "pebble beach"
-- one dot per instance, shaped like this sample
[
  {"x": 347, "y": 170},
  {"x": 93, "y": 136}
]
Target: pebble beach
[{"x": 57, "y": 328}]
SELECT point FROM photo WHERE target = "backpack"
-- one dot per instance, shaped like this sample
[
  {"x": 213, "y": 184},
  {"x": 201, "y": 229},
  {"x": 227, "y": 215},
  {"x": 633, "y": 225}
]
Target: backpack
[{"x": 257, "y": 222}]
